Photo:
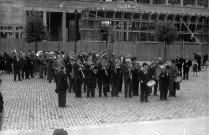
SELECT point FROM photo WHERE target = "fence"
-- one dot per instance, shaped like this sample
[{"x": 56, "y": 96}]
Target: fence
[{"x": 143, "y": 51}]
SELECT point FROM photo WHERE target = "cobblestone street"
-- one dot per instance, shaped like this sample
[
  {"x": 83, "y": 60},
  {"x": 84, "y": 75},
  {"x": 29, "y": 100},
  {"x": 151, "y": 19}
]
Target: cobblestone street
[{"x": 32, "y": 105}]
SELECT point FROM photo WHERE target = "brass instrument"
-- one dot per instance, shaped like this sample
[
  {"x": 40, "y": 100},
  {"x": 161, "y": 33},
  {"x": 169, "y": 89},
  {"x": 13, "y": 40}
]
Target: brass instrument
[
  {"x": 92, "y": 68},
  {"x": 130, "y": 74},
  {"x": 81, "y": 66},
  {"x": 116, "y": 67}
]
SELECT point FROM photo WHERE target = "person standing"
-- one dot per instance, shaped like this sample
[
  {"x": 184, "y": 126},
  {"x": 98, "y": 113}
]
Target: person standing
[
  {"x": 195, "y": 68},
  {"x": 144, "y": 78},
  {"x": 179, "y": 62},
  {"x": 164, "y": 81},
  {"x": 49, "y": 68},
  {"x": 122, "y": 62},
  {"x": 176, "y": 85},
  {"x": 135, "y": 80},
  {"x": 78, "y": 78},
  {"x": 41, "y": 64},
  {"x": 23, "y": 66},
  {"x": 16, "y": 67},
  {"x": 186, "y": 66},
  {"x": 61, "y": 87},
  {"x": 128, "y": 76},
  {"x": 2, "y": 62},
  {"x": 115, "y": 74}
]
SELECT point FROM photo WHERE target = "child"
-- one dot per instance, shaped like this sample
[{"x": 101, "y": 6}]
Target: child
[{"x": 195, "y": 68}]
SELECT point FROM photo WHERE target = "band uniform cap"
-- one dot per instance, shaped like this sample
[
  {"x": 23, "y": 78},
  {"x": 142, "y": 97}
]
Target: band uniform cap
[
  {"x": 144, "y": 64},
  {"x": 60, "y": 132}
]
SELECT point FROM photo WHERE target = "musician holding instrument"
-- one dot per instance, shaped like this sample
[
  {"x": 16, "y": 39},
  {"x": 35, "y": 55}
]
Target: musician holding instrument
[
  {"x": 90, "y": 77},
  {"x": 128, "y": 76},
  {"x": 151, "y": 72},
  {"x": 115, "y": 74},
  {"x": 144, "y": 78},
  {"x": 78, "y": 76}
]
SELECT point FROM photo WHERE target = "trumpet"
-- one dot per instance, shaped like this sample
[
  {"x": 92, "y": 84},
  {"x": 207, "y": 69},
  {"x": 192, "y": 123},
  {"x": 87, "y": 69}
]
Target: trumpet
[
  {"x": 130, "y": 74},
  {"x": 105, "y": 70},
  {"x": 116, "y": 67},
  {"x": 94, "y": 70}
]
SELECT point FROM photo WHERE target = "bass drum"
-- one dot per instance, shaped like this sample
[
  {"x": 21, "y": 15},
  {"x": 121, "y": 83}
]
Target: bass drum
[{"x": 157, "y": 72}]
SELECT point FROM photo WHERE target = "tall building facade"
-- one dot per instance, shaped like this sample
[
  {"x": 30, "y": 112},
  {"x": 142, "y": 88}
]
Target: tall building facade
[{"x": 130, "y": 20}]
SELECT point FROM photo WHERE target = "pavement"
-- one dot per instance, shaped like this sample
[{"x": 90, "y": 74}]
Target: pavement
[{"x": 31, "y": 108}]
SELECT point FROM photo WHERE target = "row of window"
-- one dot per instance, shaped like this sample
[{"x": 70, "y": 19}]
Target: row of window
[{"x": 189, "y": 3}]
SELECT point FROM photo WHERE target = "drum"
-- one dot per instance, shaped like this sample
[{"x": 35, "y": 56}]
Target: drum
[
  {"x": 178, "y": 79},
  {"x": 151, "y": 83}
]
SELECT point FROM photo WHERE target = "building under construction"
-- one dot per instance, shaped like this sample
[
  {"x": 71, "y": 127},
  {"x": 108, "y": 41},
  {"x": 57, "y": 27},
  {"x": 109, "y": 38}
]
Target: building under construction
[{"x": 130, "y": 20}]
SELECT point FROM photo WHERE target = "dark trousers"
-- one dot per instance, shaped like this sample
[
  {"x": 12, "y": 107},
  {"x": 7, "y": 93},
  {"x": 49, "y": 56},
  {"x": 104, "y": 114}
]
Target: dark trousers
[
  {"x": 144, "y": 92},
  {"x": 135, "y": 88},
  {"x": 128, "y": 88},
  {"x": 77, "y": 87},
  {"x": 90, "y": 89},
  {"x": 62, "y": 98},
  {"x": 180, "y": 70},
  {"x": 31, "y": 71},
  {"x": 84, "y": 86},
  {"x": 163, "y": 93},
  {"x": 105, "y": 88},
  {"x": 100, "y": 87},
  {"x": 23, "y": 73},
  {"x": 115, "y": 87},
  {"x": 70, "y": 83},
  {"x": 186, "y": 74},
  {"x": 173, "y": 91},
  {"x": 156, "y": 87},
  {"x": 17, "y": 72},
  {"x": 120, "y": 83}
]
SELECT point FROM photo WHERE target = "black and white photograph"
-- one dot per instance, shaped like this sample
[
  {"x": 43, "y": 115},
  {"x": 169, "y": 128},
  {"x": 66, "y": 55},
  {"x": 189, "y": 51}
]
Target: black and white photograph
[{"x": 104, "y": 67}]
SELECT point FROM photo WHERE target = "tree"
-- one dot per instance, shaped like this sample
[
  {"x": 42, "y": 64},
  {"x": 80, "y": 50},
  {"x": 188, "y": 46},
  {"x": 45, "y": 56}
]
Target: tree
[
  {"x": 35, "y": 29},
  {"x": 166, "y": 32}
]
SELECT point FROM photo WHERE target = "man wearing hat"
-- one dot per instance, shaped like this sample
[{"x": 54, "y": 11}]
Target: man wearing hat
[
  {"x": 144, "y": 78},
  {"x": 61, "y": 82},
  {"x": 179, "y": 62}
]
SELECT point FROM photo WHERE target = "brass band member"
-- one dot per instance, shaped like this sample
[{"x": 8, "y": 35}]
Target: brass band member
[
  {"x": 90, "y": 77},
  {"x": 78, "y": 77},
  {"x": 144, "y": 78},
  {"x": 103, "y": 77},
  {"x": 115, "y": 73},
  {"x": 151, "y": 72},
  {"x": 135, "y": 80},
  {"x": 69, "y": 73},
  {"x": 128, "y": 78},
  {"x": 61, "y": 87},
  {"x": 175, "y": 85}
]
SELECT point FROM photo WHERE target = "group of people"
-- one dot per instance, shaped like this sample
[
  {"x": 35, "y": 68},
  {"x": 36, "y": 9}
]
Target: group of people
[{"x": 84, "y": 72}]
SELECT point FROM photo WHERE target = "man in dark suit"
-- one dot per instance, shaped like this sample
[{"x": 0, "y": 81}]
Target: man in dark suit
[
  {"x": 186, "y": 65},
  {"x": 61, "y": 82},
  {"x": 122, "y": 62},
  {"x": 16, "y": 67},
  {"x": 23, "y": 65},
  {"x": 144, "y": 78},
  {"x": 179, "y": 62},
  {"x": 128, "y": 78}
]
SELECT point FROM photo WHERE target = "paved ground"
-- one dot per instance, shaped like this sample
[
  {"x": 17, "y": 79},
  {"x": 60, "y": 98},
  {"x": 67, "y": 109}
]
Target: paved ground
[{"x": 31, "y": 106}]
